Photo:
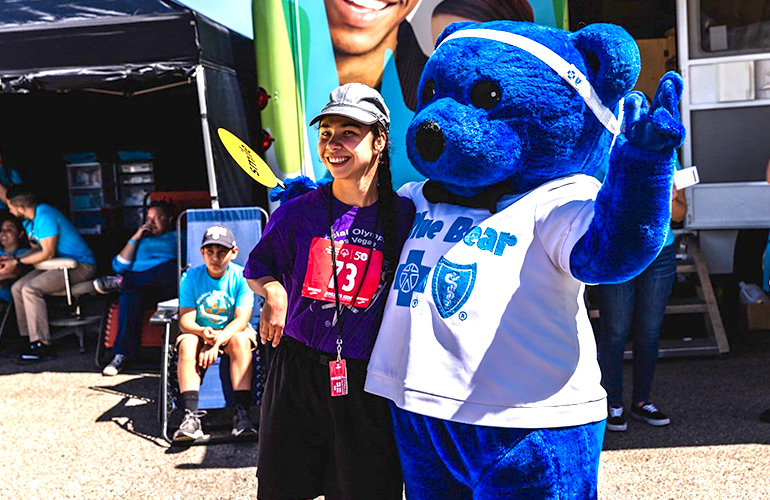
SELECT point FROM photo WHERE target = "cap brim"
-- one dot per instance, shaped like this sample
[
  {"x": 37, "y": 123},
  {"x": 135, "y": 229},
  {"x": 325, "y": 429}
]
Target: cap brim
[
  {"x": 214, "y": 242},
  {"x": 355, "y": 113}
]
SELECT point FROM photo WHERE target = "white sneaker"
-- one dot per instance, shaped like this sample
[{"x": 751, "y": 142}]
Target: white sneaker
[{"x": 115, "y": 366}]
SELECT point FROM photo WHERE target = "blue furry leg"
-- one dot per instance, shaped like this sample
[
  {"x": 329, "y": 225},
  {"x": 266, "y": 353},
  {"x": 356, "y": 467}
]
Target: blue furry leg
[{"x": 453, "y": 461}]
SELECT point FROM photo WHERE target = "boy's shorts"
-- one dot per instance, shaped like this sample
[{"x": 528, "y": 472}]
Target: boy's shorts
[
  {"x": 249, "y": 331},
  {"x": 312, "y": 444}
]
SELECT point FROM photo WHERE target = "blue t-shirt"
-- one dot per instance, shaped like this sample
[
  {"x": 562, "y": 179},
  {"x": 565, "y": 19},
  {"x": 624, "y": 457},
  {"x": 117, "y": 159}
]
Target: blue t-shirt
[
  {"x": 5, "y": 292},
  {"x": 15, "y": 180},
  {"x": 215, "y": 300},
  {"x": 151, "y": 251},
  {"x": 50, "y": 222}
]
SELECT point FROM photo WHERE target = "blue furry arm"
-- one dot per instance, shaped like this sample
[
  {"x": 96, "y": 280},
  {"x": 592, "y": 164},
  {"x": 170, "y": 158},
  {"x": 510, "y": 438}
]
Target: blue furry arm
[
  {"x": 633, "y": 207},
  {"x": 295, "y": 186},
  {"x": 631, "y": 216}
]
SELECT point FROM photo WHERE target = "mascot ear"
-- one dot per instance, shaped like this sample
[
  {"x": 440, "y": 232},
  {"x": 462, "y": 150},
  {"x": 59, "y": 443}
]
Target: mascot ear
[
  {"x": 612, "y": 60},
  {"x": 451, "y": 28}
]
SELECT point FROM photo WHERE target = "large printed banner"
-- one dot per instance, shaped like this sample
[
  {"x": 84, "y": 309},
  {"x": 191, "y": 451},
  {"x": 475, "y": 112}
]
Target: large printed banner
[{"x": 306, "y": 48}]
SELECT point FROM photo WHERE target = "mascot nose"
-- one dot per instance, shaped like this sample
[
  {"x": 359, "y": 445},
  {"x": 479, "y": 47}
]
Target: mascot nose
[{"x": 429, "y": 140}]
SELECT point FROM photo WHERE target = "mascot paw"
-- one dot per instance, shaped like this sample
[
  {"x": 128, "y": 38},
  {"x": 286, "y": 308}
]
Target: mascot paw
[
  {"x": 295, "y": 186},
  {"x": 659, "y": 126}
]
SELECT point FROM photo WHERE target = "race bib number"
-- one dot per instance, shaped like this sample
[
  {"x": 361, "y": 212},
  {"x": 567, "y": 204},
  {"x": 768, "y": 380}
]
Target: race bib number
[{"x": 351, "y": 265}]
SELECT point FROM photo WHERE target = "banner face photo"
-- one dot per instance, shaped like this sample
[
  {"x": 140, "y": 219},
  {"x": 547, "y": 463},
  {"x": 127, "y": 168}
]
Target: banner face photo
[{"x": 306, "y": 48}]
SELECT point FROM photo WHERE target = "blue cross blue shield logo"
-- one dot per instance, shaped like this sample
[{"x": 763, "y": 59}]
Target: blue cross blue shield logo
[
  {"x": 452, "y": 286},
  {"x": 410, "y": 277}
]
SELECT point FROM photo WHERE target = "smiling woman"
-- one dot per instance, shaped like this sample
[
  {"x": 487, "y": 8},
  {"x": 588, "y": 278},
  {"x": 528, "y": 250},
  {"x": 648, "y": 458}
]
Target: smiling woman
[
  {"x": 361, "y": 32},
  {"x": 323, "y": 264}
]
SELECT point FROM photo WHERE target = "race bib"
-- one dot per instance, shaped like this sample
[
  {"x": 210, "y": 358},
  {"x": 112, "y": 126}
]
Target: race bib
[{"x": 351, "y": 266}]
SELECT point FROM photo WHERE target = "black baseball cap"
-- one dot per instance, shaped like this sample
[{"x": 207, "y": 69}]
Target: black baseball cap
[
  {"x": 218, "y": 235},
  {"x": 359, "y": 102}
]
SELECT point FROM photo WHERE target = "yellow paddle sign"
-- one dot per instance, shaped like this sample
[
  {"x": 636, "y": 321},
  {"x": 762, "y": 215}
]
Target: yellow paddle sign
[{"x": 248, "y": 160}]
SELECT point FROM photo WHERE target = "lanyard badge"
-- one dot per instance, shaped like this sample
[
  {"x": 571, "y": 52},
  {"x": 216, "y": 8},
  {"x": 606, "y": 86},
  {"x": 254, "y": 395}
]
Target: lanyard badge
[{"x": 338, "y": 372}]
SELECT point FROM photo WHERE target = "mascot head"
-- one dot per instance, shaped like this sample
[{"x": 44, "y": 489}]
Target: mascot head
[{"x": 520, "y": 104}]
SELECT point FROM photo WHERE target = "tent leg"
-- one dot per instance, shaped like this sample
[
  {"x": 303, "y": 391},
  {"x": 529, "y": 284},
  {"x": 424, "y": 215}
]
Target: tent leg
[{"x": 200, "y": 82}]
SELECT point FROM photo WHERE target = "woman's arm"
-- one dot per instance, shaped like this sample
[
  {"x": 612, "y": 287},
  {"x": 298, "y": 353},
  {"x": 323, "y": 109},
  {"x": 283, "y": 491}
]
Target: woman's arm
[{"x": 273, "y": 317}]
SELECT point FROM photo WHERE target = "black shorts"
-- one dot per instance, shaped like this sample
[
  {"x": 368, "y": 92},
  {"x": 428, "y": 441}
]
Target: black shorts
[{"x": 311, "y": 444}]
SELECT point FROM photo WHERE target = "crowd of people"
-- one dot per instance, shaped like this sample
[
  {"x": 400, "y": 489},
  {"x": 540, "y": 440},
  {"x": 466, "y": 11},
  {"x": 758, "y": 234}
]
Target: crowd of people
[{"x": 340, "y": 447}]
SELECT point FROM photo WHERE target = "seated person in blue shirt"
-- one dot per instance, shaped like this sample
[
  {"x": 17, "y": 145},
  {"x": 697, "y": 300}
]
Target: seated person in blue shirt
[
  {"x": 52, "y": 235},
  {"x": 147, "y": 275},
  {"x": 13, "y": 241},
  {"x": 215, "y": 304}
]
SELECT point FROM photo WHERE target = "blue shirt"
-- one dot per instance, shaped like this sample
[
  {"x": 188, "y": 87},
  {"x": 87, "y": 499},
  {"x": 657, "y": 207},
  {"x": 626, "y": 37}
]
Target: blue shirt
[
  {"x": 15, "y": 180},
  {"x": 49, "y": 222},
  {"x": 151, "y": 251},
  {"x": 5, "y": 292},
  {"x": 215, "y": 300}
]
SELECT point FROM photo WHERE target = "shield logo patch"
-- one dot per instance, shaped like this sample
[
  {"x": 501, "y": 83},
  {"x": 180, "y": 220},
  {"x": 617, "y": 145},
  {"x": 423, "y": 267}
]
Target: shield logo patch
[{"x": 452, "y": 286}]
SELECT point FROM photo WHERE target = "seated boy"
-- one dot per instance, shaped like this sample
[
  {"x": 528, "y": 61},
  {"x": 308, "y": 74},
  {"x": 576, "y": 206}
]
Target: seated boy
[{"x": 215, "y": 304}]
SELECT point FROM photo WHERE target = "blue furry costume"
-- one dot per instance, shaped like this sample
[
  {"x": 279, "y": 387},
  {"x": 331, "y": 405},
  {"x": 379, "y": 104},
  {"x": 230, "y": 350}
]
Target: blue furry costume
[{"x": 485, "y": 349}]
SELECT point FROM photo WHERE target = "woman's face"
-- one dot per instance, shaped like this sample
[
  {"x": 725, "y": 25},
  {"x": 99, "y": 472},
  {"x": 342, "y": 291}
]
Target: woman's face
[
  {"x": 346, "y": 147},
  {"x": 9, "y": 235},
  {"x": 360, "y": 26}
]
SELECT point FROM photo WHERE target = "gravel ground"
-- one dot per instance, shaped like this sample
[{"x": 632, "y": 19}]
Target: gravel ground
[{"x": 68, "y": 432}]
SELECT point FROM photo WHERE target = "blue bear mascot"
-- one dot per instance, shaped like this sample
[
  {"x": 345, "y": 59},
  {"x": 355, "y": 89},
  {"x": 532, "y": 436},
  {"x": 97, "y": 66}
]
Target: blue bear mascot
[{"x": 485, "y": 349}]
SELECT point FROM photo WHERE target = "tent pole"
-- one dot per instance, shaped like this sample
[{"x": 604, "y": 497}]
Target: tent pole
[{"x": 200, "y": 82}]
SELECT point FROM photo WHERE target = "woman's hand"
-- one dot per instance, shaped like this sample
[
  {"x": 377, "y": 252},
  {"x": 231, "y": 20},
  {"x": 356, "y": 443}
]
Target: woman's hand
[{"x": 273, "y": 317}]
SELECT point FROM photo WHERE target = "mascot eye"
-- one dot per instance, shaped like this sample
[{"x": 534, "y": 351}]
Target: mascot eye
[
  {"x": 428, "y": 91},
  {"x": 485, "y": 95}
]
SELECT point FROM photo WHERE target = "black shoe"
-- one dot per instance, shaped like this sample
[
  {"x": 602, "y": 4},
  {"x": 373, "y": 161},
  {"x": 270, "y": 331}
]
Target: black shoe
[
  {"x": 107, "y": 284},
  {"x": 242, "y": 425},
  {"x": 765, "y": 416},
  {"x": 650, "y": 414},
  {"x": 37, "y": 352},
  {"x": 616, "y": 421}
]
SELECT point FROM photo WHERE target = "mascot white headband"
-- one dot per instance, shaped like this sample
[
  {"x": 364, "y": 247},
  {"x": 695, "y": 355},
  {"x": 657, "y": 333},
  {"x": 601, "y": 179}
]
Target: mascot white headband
[{"x": 566, "y": 70}]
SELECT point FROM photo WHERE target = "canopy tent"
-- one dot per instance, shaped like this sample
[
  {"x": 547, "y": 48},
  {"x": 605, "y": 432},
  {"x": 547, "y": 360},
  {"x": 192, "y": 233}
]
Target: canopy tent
[{"x": 129, "y": 48}]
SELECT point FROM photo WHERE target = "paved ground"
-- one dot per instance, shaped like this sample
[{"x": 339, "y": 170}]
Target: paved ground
[{"x": 67, "y": 432}]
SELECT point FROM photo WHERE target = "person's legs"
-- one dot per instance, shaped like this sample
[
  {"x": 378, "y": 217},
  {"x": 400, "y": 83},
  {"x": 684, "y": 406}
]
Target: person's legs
[
  {"x": 364, "y": 462},
  {"x": 239, "y": 349},
  {"x": 294, "y": 427},
  {"x": 544, "y": 464},
  {"x": 426, "y": 474},
  {"x": 653, "y": 288},
  {"x": 18, "y": 301},
  {"x": 189, "y": 380},
  {"x": 616, "y": 307},
  {"x": 140, "y": 291},
  {"x": 33, "y": 294}
]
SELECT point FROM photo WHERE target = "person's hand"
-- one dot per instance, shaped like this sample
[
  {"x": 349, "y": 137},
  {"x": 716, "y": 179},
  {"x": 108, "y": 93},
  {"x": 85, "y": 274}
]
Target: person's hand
[
  {"x": 209, "y": 335},
  {"x": 273, "y": 316},
  {"x": 208, "y": 355},
  {"x": 8, "y": 266},
  {"x": 143, "y": 230}
]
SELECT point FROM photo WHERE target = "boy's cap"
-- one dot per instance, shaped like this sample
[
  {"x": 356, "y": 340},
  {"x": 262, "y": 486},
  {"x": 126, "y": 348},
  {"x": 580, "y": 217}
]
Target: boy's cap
[
  {"x": 218, "y": 235},
  {"x": 359, "y": 102}
]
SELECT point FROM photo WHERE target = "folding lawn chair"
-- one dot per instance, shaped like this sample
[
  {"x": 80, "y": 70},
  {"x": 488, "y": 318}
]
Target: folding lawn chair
[{"x": 216, "y": 390}]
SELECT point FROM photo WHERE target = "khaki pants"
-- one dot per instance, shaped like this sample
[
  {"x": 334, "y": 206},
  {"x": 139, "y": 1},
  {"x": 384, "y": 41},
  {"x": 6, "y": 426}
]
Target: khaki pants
[{"x": 29, "y": 293}]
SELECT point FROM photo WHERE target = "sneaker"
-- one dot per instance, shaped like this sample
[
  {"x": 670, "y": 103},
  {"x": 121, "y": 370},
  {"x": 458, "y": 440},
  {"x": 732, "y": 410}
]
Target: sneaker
[
  {"x": 109, "y": 283},
  {"x": 37, "y": 352},
  {"x": 242, "y": 426},
  {"x": 115, "y": 366},
  {"x": 617, "y": 420},
  {"x": 650, "y": 414},
  {"x": 190, "y": 428}
]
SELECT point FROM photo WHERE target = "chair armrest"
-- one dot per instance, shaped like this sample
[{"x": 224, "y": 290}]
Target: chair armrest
[{"x": 57, "y": 263}]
